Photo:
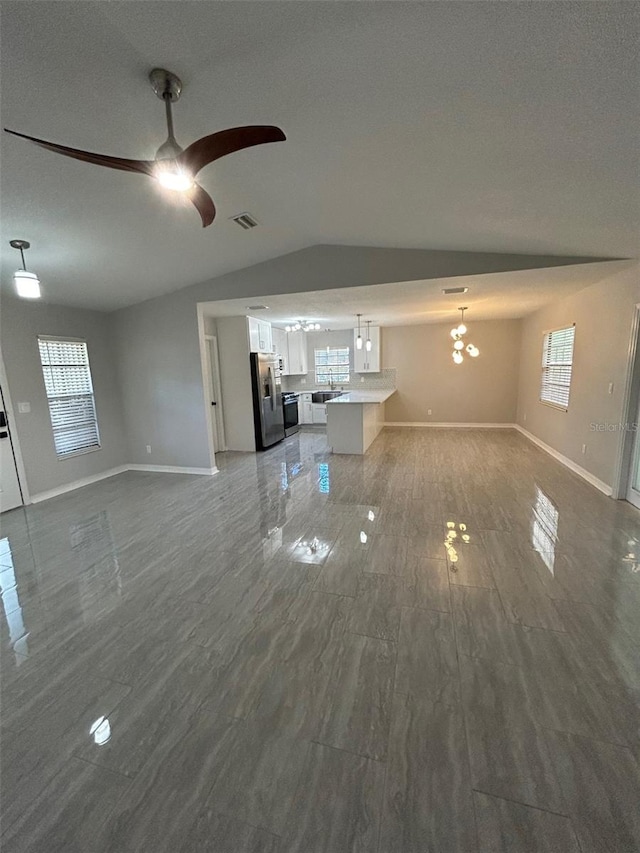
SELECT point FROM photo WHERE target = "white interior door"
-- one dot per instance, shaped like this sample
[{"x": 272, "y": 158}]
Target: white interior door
[
  {"x": 10, "y": 494},
  {"x": 217, "y": 420}
]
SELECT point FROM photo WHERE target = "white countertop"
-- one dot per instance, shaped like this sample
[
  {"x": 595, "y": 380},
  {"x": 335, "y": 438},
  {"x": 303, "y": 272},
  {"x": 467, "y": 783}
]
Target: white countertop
[{"x": 362, "y": 397}]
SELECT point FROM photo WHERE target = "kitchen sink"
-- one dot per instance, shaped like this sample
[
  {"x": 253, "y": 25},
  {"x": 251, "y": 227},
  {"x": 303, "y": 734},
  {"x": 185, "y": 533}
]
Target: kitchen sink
[{"x": 323, "y": 396}]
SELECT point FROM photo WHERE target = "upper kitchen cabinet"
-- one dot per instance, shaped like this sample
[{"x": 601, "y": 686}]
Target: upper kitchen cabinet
[
  {"x": 259, "y": 335},
  {"x": 367, "y": 361},
  {"x": 280, "y": 345},
  {"x": 297, "y": 361}
]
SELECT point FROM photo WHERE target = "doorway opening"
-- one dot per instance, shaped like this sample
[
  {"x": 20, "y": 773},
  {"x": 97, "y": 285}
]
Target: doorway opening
[
  {"x": 11, "y": 494},
  {"x": 627, "y": 486}
]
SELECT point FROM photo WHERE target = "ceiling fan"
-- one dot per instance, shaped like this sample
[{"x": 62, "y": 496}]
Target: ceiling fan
[{"x": 174, "y": 167}]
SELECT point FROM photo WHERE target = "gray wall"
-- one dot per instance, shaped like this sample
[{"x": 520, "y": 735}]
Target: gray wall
[
  {"x": 235, "y": 381},
  {"x": 603, "y": 314},
  {"x": 480, "y": 390},
  {"x": 21, "y": 322},
  {"x": 158, "y": 347}
]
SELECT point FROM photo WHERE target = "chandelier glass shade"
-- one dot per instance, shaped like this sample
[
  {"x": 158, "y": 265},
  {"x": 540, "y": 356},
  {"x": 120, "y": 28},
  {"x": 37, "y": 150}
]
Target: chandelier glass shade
[
  {"x": 459, "y": 345},
  {"x": 304, "y": 326}
]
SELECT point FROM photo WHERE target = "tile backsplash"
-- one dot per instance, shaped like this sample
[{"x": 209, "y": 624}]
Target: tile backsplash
[{"x": 385, "y": 380}]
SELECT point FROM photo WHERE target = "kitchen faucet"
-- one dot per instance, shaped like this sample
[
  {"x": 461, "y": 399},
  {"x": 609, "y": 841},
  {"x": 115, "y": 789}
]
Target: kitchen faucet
[{"x": 331, "y": 385}]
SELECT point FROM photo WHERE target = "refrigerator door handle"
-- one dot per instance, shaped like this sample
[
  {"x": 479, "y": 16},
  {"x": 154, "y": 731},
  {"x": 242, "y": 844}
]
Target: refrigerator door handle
[{"x": 272, "y": 390}]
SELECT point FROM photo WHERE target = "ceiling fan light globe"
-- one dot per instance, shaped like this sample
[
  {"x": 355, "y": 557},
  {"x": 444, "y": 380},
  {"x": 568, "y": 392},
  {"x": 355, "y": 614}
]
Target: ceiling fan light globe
[
  {"x": 27, "y": 284},
  {"x": 176, "y": 180},
  {"x": 474, "y": 353},
  {"x": 458, "y": 345},
  {"x": 454, "y": 333},
  {"x": 462, "y": 329},
  {"x": 457, "y": 357}
]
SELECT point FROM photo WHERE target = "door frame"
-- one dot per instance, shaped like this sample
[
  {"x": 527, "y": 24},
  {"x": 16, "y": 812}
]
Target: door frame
[
  {"x": 630, "y": 405},
  {"x": 13, "y": 435},
  {"x": 215, "y": 386}
]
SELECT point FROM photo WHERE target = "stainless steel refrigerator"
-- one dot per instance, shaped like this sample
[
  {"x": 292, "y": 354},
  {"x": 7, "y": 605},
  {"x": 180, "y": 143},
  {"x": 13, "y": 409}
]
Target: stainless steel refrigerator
[{"x": 268, "y": 415}]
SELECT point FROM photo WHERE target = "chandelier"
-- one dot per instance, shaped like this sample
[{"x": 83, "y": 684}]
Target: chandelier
[
  {"x": 304, "y": 326},
  {"x": 459, "y": 346}
]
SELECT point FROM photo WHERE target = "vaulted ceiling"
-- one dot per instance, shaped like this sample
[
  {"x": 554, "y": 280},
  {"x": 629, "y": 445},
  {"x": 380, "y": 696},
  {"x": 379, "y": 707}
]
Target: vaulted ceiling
[{"x": 500, "y": 127}]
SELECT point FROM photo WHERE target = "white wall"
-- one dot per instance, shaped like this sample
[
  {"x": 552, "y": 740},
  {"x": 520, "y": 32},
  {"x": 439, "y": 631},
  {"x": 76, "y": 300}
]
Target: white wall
[
  {"x": 235, "y": 380},
  {"x": 21, "y": 323},
  {"x": 603, "y": 314},
  {"x": 480, "y": 390}
]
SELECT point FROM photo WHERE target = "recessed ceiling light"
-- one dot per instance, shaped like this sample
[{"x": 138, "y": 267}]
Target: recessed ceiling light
[
  {"x": 257, "y": 307},
  {"x": 449, "y": 290}
]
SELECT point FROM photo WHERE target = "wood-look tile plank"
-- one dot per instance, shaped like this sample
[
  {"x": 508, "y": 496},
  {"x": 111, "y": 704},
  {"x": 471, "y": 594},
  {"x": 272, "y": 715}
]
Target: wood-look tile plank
[
  {"x": 215, "y": 832},
  {"x": 69, "y": 813},
  {"x": 337, "y": 806},
  {"x": 428, "y": 802},
  {"x": 506, "y": 827},
  {"x": 601, "y": 786},
  {"x": 358, "y": 717},
  {"x": 427, "y": 666},
  {"x": 482, "y": 629}
]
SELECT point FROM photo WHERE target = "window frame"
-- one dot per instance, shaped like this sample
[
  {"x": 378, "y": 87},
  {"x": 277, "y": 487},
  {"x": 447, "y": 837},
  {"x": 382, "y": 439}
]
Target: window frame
[
  {"x": 341, "y": 365},
  {"x": 546, "y": 341},
  {"x": 92, "y": 396}
]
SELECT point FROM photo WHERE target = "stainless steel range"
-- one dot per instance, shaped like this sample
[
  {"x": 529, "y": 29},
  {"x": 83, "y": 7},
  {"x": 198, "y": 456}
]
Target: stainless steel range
[{"x": 290, "y": 408}]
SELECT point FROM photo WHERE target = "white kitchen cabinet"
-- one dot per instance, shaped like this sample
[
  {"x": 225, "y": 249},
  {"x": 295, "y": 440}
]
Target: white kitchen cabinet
[
  {"x": 305, "y": 408},
  {"x": 259, "y": 335},
  {"x": 367, "y": 361},
  {"x": 319, "y": 413},
  {"x": 280, "y": 345},
  {"x": 297, "y": 363}
]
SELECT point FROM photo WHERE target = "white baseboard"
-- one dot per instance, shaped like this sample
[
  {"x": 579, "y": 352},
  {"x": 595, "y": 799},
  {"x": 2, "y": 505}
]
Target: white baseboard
[
  {"x": 172, "y": 469},
  {"x": 568, "y": 463},
  {"x": 103, "y": 475},
  {"x": 442, "y": 425},
  {"x": 78, "y": 484}
]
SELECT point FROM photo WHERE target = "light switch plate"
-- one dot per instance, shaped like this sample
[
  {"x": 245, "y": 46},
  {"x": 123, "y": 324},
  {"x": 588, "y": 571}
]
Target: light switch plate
[{"x": 24, "y": 408}]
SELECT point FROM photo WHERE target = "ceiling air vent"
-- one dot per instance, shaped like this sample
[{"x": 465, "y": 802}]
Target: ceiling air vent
[
  {"x": 450, "y": 290},
  {"x": 257, "y": 307},
  {"x": 245, "y": 220}
]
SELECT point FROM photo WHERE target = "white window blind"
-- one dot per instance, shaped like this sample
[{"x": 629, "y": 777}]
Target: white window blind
[
  {"x": 332, "y": 365},
  {"x": 67, "y": 379},
  {"x": 557, "y": 362}
]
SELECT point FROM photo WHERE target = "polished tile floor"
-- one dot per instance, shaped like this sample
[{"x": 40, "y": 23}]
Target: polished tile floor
[{"x": 431, "y": 648}]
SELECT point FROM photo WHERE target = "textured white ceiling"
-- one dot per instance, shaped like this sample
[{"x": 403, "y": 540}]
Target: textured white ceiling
[
  {"x": 498, "y": 296},
  {"x": 508, "y": 127}
]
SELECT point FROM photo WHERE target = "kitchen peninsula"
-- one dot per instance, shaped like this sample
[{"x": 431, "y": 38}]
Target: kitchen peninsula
[{"x": 354, "y": 419}]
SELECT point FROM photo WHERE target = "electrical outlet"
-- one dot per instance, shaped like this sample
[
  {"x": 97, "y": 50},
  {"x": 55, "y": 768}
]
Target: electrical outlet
[
  {"x": 611, "y": 387},
  {"x": 148, "y": 448},
  {"x": 362, "y": 379},
  {"x": 428, "y": 411},
  {"x": 24, "y": 408},
  {"x": 584, "y": 448}
]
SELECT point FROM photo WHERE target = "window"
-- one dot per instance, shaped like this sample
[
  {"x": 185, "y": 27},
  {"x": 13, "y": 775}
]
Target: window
[
  {"x": 332, "y": 365},
  {"x": 557, "y": 361},
  {"x": 67, "y": 380}
]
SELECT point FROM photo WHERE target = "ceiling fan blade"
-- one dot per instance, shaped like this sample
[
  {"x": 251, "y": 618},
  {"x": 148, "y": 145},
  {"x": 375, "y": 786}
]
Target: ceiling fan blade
[
  {"x": 203, "y": 204},
  {"x": 142, "y": 166},
  {"x": 204, "y": 151}
]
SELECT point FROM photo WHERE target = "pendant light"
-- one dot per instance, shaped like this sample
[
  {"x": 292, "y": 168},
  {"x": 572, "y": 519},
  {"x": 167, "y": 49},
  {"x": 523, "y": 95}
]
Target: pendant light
[
  {"x": 359, "y": 338},
  {"x": 459, "y": 346},
  {"x": 368, "y": 346},
  {"x": 27, "y": 284}
]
